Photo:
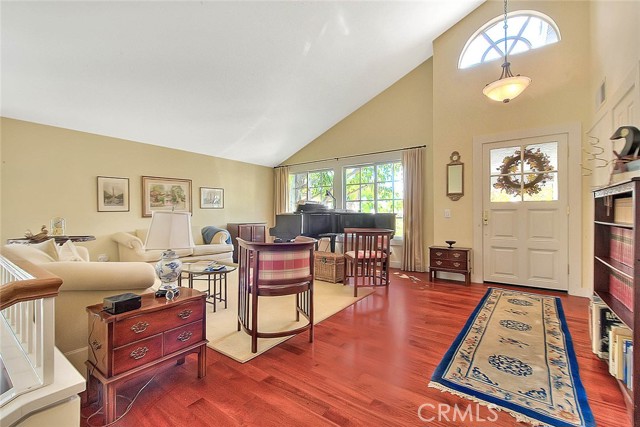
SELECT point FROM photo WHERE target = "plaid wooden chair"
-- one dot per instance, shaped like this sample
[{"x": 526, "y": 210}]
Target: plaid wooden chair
[
  {"x": 274, "y": 269},
  {"x": 366, "y": 255}
]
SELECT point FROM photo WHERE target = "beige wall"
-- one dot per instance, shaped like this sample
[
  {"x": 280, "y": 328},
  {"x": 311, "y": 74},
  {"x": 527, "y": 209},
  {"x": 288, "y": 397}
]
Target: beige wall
[
  {"x": 399, "y": 117},
  {"x": 615, "y": 44},
  {"x": 49, "y": 171},
  {"x": 557, "y": 95}
]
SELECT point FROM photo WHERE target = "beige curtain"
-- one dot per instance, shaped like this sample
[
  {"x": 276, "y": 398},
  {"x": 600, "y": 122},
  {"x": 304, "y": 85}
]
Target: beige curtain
[
  {"x": 413, "y": 169},
  {"x": 281, "y": 190}
]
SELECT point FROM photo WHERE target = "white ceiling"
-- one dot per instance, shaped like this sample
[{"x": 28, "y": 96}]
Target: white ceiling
[{"x": 249, "y": 81}]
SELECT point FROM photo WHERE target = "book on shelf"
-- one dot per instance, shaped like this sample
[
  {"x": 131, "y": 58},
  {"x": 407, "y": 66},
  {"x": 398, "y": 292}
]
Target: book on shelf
[
  {"x": 607, "y": 320},
  {"x": 623, "y": 210},
  {"x": 621, "y": 245},
  {"x": 595, "y": 306},
  {"x": 616, "y": 359},
  {"x": 621, "y": 287},
  {"x": 627, "y": 350}
]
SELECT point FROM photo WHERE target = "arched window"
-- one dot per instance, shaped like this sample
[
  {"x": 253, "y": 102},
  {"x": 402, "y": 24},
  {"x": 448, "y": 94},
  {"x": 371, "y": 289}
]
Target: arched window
[{"x": 527, "y": 29}]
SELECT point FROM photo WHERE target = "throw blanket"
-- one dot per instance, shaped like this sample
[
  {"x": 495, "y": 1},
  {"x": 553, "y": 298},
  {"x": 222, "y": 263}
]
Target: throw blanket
[{"x": 209, "y": 231}]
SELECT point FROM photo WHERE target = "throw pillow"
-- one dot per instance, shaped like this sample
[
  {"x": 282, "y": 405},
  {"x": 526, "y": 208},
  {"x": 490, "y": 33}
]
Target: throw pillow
[
  {"x": 69, "y": 252},
  {"x": 48, "y": 247}
]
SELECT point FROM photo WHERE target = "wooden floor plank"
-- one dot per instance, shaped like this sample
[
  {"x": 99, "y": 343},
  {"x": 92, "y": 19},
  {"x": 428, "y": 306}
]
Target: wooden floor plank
[{"x": 368, "y": 365}]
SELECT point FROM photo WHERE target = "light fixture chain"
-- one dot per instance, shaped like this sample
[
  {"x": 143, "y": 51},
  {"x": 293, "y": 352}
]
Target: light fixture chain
[{"x": 505, "y": 30}]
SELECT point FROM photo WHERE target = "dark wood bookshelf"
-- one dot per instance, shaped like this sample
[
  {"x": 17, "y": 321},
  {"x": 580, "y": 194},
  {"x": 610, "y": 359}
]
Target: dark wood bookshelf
[
  {"x": 615, "y": 265},
  {"x": 615, "y": 224},
  {"x": 605, "y": 219}
]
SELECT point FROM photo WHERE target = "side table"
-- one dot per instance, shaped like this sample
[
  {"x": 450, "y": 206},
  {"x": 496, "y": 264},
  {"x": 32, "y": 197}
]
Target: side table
[
  {"x": 451, "y": 260},
  {"x": 138, "y": 341},
  {"x": 217, "y": 278},
  {"x": 59, "y": 239}
]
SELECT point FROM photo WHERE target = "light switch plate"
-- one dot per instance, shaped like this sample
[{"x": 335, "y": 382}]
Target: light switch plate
[{"x": 447, "y": 213}]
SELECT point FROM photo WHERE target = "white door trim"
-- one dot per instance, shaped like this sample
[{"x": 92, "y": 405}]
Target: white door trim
[{"x": 573, "y": 131}]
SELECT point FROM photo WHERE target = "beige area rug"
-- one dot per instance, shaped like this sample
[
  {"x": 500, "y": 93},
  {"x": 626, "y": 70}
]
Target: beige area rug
[{"x": 275, "y": 314}]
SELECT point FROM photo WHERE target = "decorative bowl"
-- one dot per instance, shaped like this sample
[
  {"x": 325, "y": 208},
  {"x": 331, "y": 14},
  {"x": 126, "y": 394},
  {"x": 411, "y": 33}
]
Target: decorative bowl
[{"x": 450, "y": 243}]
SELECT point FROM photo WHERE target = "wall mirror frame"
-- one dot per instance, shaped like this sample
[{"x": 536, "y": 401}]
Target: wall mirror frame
[{"x": 455, "y": 177}]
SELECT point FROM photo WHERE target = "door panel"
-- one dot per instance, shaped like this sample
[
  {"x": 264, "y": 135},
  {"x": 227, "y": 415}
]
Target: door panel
[{"x": 525, "y": 211}]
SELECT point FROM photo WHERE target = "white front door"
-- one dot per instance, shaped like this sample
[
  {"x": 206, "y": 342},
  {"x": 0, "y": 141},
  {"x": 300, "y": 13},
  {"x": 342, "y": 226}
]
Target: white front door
[{"x": 525, "y": 212}]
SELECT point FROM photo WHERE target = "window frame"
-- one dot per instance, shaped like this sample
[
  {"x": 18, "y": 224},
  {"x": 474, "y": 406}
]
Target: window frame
[
  {"x": 338, "y": 164},
  {"x": 492, "y": 22},
  {"x": 292, "y": 203},
  {"x": 375, "y": 187}
]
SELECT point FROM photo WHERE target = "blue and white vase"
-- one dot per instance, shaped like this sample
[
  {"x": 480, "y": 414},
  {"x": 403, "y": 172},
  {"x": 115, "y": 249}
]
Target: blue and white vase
[{"x": 168, "y": 269}]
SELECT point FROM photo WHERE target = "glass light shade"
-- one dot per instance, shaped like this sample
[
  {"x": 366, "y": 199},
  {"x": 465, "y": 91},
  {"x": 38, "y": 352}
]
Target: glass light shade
[{"x": 506, "y": 89}]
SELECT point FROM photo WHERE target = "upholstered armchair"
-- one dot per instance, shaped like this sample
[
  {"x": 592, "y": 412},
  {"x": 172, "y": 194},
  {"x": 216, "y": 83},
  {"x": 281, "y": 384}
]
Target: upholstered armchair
[{"x": 275, "y": 269}]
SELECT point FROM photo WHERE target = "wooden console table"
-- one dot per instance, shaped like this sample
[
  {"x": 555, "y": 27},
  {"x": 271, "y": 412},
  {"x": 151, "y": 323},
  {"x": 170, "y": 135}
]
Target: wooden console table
[
  {"x": 59, "y": 239},
  {"x": 451, "y": 260},
  {"x": 138, "y": 341}
]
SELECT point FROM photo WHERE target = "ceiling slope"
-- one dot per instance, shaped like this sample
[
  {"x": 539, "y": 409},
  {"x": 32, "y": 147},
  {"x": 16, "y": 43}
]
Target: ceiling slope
[{"x": 248, "y": 81}]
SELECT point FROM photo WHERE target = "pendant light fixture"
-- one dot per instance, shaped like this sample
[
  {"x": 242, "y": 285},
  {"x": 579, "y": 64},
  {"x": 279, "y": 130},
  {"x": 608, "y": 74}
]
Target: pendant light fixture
[{"x": 507, "y": 86}]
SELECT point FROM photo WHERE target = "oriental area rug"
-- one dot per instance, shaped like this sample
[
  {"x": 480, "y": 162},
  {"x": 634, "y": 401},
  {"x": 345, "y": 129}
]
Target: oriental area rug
[
  {"x": 275, "y": 314},
  {"x": 515, "y": 354}
]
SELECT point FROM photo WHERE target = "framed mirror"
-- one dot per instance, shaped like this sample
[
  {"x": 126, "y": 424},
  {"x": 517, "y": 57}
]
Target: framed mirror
[{"x": 455, "y": 177}]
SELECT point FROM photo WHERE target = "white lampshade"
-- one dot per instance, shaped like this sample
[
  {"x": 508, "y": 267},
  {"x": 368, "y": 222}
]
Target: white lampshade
[
  {"x": 169, "y": 230},
  {"x": 505, "y": 89}
]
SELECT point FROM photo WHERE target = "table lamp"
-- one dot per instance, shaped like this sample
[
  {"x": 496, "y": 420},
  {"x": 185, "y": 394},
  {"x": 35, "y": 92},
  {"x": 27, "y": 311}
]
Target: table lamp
[{"x": 169, "y": 231}]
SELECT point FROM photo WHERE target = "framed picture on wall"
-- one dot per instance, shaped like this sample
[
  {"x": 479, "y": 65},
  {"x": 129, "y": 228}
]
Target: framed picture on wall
[
  {"x": 211, "y": 198},
  {"x": 165, "y": 194},
  {"x": 113, "y": 194}
]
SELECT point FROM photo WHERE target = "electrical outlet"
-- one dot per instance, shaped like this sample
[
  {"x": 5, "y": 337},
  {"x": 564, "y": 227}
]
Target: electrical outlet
[
  {"x": 103, "y": 257},
  {"x": 447, "y": 213}
]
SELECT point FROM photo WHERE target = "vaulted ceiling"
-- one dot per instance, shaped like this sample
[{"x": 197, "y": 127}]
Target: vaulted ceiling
[{"x": 248, "y": 81}]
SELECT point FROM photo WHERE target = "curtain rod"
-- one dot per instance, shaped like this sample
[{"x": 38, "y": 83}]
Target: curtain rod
[{"x": 353, "y": 155}]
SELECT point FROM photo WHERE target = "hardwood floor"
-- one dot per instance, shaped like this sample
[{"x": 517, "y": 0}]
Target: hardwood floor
[{"x": 369, "y": 365}]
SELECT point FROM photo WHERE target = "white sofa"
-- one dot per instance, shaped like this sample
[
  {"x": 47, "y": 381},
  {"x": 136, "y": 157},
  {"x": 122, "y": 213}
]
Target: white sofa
[
  {"x": 84, "y": 283},
  {"x": 131, "y": 247}
]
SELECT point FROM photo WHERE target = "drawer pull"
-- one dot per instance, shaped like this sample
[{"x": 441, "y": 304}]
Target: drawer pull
[
  {"x": 439, "y": 253},
  {"x": 456, "y": 264},
  {"x": 140, "y": 327},
  {"x": 457, "y": 254},
  {"x": 185, "y": 336},
  {"x": 139, "y": 353},
  {"x": 439, "y": 262},
  {"x": 185, "y": 313}
]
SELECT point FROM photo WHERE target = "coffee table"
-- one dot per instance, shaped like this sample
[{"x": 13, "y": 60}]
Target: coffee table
[{"x": 214, "y": 278}]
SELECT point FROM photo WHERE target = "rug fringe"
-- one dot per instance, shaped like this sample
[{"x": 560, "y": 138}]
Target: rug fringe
[{"x": 518, "y": 416}]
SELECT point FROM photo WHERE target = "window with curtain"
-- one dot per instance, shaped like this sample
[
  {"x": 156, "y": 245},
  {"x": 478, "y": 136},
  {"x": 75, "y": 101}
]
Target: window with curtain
[
  {"x": 375, "y": 188},
  {"x": 310, "y": 186}
]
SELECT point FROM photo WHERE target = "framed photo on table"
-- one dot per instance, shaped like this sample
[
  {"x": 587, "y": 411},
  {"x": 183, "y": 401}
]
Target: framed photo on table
[
  {"x": 165, "y": 194},
  {"x": 211, "y": 198},
  {"x": 113, "y": 194}
]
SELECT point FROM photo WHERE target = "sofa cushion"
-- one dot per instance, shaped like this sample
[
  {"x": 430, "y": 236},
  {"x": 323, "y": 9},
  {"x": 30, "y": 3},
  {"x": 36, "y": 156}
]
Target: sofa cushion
[
  {"x": 212, "y": 249},
  {"x": 69, "y": 252}
]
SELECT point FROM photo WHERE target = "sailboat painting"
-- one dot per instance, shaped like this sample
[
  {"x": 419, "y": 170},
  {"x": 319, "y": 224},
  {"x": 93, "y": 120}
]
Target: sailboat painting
[{"x": 211, "y": 198}]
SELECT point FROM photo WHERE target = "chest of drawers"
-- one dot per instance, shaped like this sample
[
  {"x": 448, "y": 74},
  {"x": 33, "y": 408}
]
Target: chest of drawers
[
  {"x": 451, "y": 260},
  {"x": 140, "y": 340}
]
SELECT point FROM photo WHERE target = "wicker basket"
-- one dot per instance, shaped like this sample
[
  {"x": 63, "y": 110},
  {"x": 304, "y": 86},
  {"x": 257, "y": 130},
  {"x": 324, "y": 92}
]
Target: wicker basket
[{"x": 329, "y": 267}]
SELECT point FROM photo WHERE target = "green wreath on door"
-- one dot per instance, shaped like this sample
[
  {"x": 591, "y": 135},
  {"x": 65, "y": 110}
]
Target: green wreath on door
[{"x": 536, "y": 178}]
